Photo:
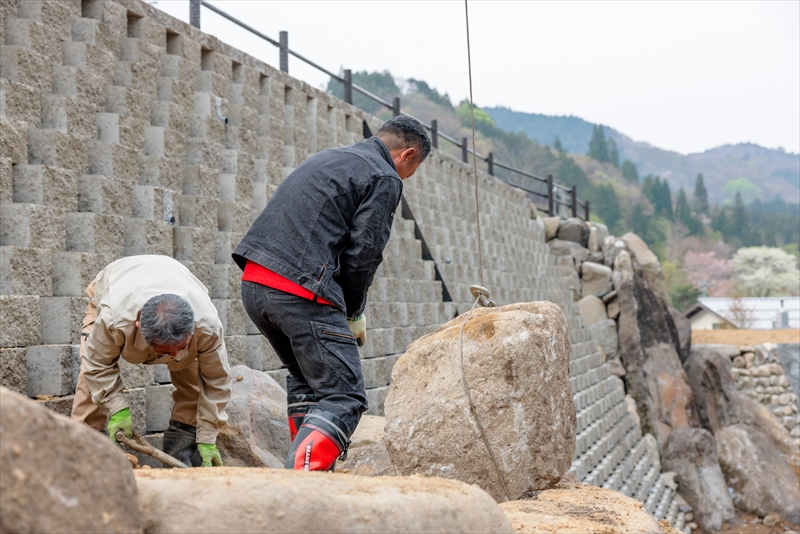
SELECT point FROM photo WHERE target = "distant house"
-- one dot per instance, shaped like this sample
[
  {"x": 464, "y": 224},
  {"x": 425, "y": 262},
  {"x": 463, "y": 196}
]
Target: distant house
[{"x": 756, "y": 313}]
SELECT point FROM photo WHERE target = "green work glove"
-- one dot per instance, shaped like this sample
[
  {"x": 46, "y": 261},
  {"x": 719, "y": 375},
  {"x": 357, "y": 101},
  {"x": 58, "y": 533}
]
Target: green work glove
[
  {"x": 121, "y": 420},
  {"x": 209, "y": 454},
  {"x": 358, "y": 325}
]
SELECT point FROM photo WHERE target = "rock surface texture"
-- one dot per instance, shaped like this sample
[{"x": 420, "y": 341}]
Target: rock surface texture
[
  {"x": 60, "y": 476},
  {"x": 691, "y": 454},
  {"x": 267, "y": 500},
  {"x": 367, "y": 455},
  {"x": 516, "y": 359},
  {"x": 257, "y": 433},
  {"x": 580, "y": 508}
]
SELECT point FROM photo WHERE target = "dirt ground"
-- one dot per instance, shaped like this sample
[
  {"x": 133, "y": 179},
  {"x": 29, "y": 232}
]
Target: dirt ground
[
  {"x": 750, "y": 524},
  {"x": 745, "y": 337}
]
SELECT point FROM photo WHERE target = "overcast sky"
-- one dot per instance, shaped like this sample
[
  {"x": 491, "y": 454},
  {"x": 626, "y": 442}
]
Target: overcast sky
[{"x": 684, "y": 76}]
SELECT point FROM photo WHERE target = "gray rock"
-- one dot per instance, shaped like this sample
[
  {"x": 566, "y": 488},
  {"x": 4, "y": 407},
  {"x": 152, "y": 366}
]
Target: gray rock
[
  {"x": 570, "y": 276},
  {"x": 691, "y": 454},
  {"x": 612, "y": 309},
  {"x": 602, "y": 232},
  {"x": 611, "y": 246},
  {"x": 604, "y": 332},
  {"x": 592, "y": 309},
  {"x": 595, "y": 279},
  {"x": 728, "y": 351},
  {"x": 655, "y": 377},
  {"x": 647, "y": 263},
  {"x": 60, "y": 476},
  {"x": 367, "y": 455},
  {"x": 683, "y": 328},
  {"x": 789, "y": 356},
  {"x": 761, "y": 482},
  {"x": 235, "y": 499},
  {"x": 516, "y": 360},
  {"x": 560, "y": 247},
  {"x": 257, "y": 433},
  {"x": 551, "y": 227},
  {"x": 575, "y": 230},
  {"x": 593, "y": 244}
]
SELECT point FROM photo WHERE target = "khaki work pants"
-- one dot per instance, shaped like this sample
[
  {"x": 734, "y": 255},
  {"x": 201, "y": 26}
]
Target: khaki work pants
[{"x": 185, "y": 381}]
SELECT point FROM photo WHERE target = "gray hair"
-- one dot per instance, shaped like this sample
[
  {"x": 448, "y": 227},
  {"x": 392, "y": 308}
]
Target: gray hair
[
  {"x": 405, "y": 132},
  {"x": 166, "y": 320}
]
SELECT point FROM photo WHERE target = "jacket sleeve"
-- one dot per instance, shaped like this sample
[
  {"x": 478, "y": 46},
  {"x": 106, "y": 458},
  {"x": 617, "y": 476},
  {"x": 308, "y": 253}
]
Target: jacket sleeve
[
  {"x": 369, "y": 233},
  {"x": 101, "y": 366},
  {"x": 214, "y": 384}
]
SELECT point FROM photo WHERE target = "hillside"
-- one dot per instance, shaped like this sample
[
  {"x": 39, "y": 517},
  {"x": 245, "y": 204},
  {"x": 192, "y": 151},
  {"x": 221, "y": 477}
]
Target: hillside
[{"x": 775, "y": 171}]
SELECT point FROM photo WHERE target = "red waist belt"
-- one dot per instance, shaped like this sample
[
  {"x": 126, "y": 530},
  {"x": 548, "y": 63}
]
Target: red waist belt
[{"x": 254, "y": 272}]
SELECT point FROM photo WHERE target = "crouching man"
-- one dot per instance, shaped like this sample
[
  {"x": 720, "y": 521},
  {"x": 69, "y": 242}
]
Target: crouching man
[{"x": 149, "y": 310}]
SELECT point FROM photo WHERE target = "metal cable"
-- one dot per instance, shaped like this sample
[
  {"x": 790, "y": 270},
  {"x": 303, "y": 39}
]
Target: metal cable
[
  {"x": 472, "y": 404},
  {"x": 474, "y": 152}
]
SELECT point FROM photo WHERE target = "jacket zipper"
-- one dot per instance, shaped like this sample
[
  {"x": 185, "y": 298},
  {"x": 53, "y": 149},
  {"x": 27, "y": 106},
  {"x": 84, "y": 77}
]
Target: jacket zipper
[{"x": 337, "y": 334}]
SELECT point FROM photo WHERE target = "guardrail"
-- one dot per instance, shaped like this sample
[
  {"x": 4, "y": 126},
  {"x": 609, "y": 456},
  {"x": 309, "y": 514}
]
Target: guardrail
[{"x": 554, "y": 195}]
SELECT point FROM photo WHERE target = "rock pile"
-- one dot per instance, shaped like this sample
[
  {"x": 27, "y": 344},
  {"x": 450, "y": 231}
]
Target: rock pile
[{"x": 516, "y": 360}]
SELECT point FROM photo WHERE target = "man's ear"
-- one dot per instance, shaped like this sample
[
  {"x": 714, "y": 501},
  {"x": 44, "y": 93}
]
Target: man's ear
[
  {"x": 139, "y": 326},
  {"x": 408, "y": 155}
]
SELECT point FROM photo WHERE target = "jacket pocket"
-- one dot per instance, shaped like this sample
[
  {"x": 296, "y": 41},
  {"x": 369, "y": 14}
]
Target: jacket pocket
[{"x": 339, "y": 352}]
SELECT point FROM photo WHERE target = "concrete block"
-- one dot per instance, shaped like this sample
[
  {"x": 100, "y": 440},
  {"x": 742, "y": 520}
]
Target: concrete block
[
  {"x": 136, "y": 375},
  {"x": 161, "y": 374},
  {"x": 224, "y": 243},
  {"x": 261, "y": 355},
  {"x": 62, "y": 318},
  {"x": 94, "y": 32},
  {"x": 279, "y": 376},
  {"x": 201, "y": 270},
  {"x": 232, "y": 315},
  {"x": 100, "y": 194},
  {"x": 138, "y": 401},
  {"x": 6, "y": 181},
  {"x": 20, "y": 102},
  {"x": 201, "y": 181},
  {"x": 56, "y": 17},
  {"x": 127, "y": 101},
  {"x": 198, "y": 211},
  {"x": 225, "y": 282},
  {"x": 113, "y": 160},
  {"x": 27, "y": 67},
  {"x": 32, "y": 35},
  {"x": 132, "y": 132},
  {"x": 234, "y": 216},
  {"x": 154, "y": 203},
  {"x": 193, "y": 244},
  {"x": 59, "y": 405},
  {"x": 20, "y": 324},
  {"x": 161, "y": 172},
  {"x": 95, "y": 233},
  {"x": 39, "y": 184},
  {"x": 13, "y": 143},
  {"x": 69, "y": 113},
  {"x": 76, "y": 364},
  {"x": 140, "y": 76},
  {"x": 144, "y": 236},
  {"x": 58, "y": 148},
  {"x": 32, "y": 225},
  {"x": 74, "y": 271},
  {"x": 235, "y": 188},
  {"x": 49, "y": 370},
  {"x": 376, "y": 398},
  {"x": 26, "y": 271},
  {"x": 237, "y": 349},
  {"x": 159, "y": 407},
  {"x": 81, "y": 84},
  {"x": 14, "y": 370}
]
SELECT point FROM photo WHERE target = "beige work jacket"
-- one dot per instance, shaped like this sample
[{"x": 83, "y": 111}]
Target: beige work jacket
[{"x": 121, "y": 289}]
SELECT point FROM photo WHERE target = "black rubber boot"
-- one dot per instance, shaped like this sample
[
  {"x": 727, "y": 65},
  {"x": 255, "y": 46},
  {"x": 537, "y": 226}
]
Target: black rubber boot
[
  {"x": 179, "y": 442},
  {"x": 322, "y": 439},
  {"x": 297, "y": 408}
]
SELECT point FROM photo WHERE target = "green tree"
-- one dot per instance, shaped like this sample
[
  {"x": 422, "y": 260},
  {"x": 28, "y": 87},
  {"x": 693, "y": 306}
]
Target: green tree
[
  {"x": 630, "y": 172},
  {"x": 700, "y": 200},
  {"x": 638, "y": 222},
  {"x": 557, "y": 144},
  {"x": 612, "y": 153},
  {"x": 603, "y": 201},
  {"x": 665, "y": 201},
  {"x": 421, "y": 87},
  {"x": 598, "y": 149},
  {"x": 765, "y": 271},
  {"x": 649, "y": 187},
  {"x": 719, "y": 223},
  {"x": 742, "y": 186},
  {"x": 740, "y": 221},
  {"x": 684, "y": 214},
  {"x": 381, "y": 84}
]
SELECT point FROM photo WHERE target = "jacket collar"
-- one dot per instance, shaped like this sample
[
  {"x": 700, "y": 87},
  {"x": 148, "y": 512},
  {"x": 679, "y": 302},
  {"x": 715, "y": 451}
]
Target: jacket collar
[{"x": 382, "y": 150}]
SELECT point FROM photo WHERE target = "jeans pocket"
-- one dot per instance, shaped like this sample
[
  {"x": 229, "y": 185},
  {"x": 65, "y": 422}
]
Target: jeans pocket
[{"x": 339, "y": 352}]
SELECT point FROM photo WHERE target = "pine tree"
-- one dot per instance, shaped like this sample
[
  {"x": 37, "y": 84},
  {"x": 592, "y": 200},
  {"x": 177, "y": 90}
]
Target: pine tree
[
  {"x": 740, "y": 222},
  {"x": 649, "y": 187},
  {"x": 557, "y": 144},
  {"x": 597, "y": 145},
  {"x": 639, "y": 221},
  {"x": 665, "y": 200},
  {"x": 719, "y": 222},
  {"x": 613, "y": 152},
  {"x": 682, "y": 209},
  {"x": 700, "y": 200},
  {"x": 630, "y": 172}
]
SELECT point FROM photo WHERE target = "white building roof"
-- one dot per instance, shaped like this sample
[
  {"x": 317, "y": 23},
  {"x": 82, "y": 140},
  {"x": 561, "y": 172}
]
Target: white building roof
[{"x": 758, "y": 313}]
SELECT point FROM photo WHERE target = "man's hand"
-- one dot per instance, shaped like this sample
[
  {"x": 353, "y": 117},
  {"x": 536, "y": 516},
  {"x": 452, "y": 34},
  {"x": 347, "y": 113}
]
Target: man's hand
[
  {"x": 121, "y": 420},
  {"x": 209, "y": 454},
  {"x": 358, "y": 325}
]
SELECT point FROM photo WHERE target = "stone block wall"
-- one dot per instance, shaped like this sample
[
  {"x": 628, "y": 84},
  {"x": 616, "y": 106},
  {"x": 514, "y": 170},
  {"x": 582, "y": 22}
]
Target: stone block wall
[{"x": 125, "y": 131}]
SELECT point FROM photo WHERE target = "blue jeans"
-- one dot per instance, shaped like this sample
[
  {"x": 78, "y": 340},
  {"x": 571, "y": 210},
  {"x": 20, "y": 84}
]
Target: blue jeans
[{"x": 315, "y": 344}]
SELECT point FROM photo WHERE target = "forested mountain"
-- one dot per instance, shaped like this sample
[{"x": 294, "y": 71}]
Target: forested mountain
[{"x": 775, "y": 172}]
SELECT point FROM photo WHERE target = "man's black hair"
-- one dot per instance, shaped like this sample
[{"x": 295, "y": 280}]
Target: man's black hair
[{"x": 407, "y": 133}]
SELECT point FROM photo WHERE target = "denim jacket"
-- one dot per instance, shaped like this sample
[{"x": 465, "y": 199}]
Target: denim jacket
[{"x": 327, "y": 224}]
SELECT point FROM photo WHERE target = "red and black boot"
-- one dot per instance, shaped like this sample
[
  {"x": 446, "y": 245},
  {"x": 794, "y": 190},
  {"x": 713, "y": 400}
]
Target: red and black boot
[
  {"x": 298, "y": 407},
  {"x": 322, "y": 439}
]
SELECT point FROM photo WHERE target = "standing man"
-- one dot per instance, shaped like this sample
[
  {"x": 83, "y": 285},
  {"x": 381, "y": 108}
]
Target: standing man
[
  {"x": 308, "y": 261},
  {"x": 151, "y": 309}
]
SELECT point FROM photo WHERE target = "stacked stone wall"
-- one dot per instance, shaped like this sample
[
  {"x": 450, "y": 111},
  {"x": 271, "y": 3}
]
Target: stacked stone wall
[{"x": 125, "y": 131}]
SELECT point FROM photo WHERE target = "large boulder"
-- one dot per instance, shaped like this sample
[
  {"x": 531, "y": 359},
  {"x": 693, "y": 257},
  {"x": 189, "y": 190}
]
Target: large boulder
[
  {"x": 57, "y": 475},
  {"x": 646, "y": 263},
  {"x": 551, "y": 225},
  {"x": 367, "y": 454},
  {"x": 574, "y": 508},
  {"x": 257, "y": 433},
  {"x": 231, "y": 499},
  {"x": 654, "y": 375},
  {"x": 604, "y": 332},
  {"x": 755, "y": 470},
  {"x": 516, "y": 361},
  {"x": 691, "y": 454},
  {"x": 575, "y": 230},
  {"x": 592, "y": 309},
  {"x": 683, "y": 327},
  {"x": 561, "y": 247},
  {"x": 595, "y": 279},
  {"x": 789, "y": 356}
]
